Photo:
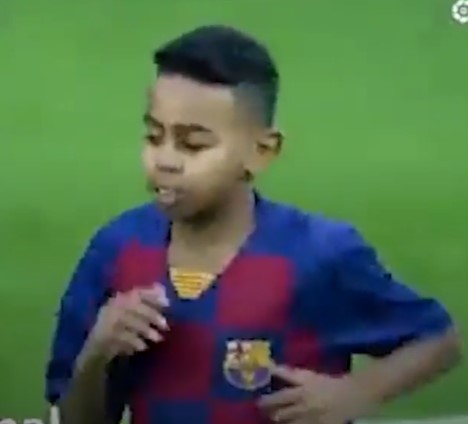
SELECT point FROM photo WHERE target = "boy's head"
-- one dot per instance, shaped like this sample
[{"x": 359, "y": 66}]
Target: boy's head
[{"x": 209, "y": 119}]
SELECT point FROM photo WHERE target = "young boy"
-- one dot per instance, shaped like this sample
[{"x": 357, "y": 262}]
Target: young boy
[{"x": 216, "y": 305}]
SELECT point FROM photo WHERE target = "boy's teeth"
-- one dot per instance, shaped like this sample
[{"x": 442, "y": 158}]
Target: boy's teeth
[{"x": 167, "y": 195}]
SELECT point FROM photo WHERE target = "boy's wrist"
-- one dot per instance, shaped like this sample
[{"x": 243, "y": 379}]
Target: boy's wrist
[{"x": 93, "y": 356}]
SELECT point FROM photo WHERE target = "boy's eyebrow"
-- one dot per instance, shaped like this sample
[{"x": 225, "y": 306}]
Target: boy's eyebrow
[
  {"x": 151, "y": 120},
  {"x": 194, "y": 127}
]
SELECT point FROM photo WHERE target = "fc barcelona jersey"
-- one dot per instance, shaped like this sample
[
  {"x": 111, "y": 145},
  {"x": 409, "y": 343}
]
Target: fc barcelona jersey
[{"x": 303, "y": 291}]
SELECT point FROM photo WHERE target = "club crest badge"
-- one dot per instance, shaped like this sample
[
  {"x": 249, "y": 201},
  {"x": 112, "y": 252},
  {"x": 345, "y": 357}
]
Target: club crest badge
[{"x": 247, "y": 364}]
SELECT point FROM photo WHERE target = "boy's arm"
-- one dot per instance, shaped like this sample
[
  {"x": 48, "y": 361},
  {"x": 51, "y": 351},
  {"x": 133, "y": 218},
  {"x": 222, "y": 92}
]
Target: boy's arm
[
  {"x": 413, "y": 338},
  {"x": 85, "y": 399},
  {"x": 408, "y": 367},
  {"x": 78, "y": 378}
]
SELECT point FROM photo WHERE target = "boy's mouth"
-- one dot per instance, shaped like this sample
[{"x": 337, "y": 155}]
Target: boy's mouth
[{"x": 167, "y": 196}]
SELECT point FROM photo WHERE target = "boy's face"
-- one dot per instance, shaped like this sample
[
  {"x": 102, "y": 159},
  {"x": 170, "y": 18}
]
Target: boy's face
[{"x": 199, "y": 143}]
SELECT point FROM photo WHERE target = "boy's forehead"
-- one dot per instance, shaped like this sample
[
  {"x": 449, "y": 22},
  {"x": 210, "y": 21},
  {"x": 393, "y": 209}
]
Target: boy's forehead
[{"x": 177, "y": 99}]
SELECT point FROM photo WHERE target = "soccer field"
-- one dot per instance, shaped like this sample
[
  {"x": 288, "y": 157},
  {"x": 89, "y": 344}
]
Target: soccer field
[{"x": 374, "y": 104}]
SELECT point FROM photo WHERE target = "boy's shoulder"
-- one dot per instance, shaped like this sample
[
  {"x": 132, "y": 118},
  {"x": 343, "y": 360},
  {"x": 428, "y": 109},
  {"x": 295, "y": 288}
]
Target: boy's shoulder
[
  {"x": 133, "y": 217},
  {"x": 131, "y": 223},
  {"x": 322, "y": 233}
]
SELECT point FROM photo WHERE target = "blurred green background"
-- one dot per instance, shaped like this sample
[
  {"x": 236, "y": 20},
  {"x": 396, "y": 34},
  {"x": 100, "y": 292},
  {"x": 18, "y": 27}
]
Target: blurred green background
[{"x": 374, "y": 105}]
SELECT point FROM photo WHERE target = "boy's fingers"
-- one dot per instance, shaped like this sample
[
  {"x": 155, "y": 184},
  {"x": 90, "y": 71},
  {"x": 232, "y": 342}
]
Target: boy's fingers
[
  {"x": 154, "y": 296},
  {"x": 151, "y": 316},
  {"x": 132, "y": 343},
  {"x": 289, "y": 375},
  {"x": 280, "y": 399},
  {"x": 140, "y": 327}
]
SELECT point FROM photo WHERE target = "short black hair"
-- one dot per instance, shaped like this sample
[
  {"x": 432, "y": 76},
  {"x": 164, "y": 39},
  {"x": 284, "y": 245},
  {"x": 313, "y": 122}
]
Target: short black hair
[{"x": 218, "y": 54}]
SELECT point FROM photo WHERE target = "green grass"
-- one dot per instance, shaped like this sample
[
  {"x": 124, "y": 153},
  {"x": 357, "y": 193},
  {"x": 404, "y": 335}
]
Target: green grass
[{"x": 374, "y": 101}]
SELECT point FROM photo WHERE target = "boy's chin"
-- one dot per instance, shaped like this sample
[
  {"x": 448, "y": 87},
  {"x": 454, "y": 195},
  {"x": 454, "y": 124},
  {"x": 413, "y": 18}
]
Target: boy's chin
[
  {"x": 175, "y": 212},
  {"x": 193, "y": 216}
]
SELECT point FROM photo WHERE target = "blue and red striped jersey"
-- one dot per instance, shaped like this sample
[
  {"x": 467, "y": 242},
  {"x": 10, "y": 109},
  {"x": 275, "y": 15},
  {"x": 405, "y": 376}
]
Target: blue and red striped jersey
[{"x": 304, "y": 291}]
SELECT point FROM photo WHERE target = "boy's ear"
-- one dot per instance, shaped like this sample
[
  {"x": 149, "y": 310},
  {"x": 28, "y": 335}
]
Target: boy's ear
[{"x": 265, "y": 149}]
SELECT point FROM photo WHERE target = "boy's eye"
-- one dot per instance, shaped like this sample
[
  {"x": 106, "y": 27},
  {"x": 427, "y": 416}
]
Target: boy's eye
[
  {"x": 195, "y": 141},
  {"x": 194, "y": 147},
  {"x": 153, "y": 138}
]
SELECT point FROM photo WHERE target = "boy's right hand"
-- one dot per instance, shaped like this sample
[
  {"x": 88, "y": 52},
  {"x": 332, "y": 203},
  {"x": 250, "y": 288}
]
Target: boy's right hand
[{"x": 128, "y": 321}]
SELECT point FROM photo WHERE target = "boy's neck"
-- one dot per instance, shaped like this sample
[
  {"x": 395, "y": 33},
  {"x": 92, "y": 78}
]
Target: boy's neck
[{"x": 231, "y": 223}]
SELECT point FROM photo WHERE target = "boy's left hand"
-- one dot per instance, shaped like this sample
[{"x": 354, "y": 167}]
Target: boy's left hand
[{"x": 314, "y": 398}]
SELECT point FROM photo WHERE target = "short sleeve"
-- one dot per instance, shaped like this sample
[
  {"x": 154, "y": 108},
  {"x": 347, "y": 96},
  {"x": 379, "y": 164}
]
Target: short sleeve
[
  {"x": 85, "y": 293},
  {"x": 384, "y": 313}
]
